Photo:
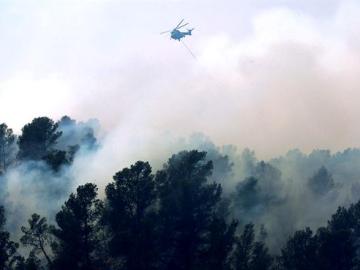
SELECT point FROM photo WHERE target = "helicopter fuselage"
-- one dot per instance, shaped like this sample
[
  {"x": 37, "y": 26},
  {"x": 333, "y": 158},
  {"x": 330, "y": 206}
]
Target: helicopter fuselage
[{"x": 178, "y": 35}]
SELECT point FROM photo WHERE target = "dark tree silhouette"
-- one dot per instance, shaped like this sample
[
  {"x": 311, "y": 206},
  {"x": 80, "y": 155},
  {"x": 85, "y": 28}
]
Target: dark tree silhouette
[
  {"x": 300, "y": 252},
  {"x": 336, "y": 250},
  {"x": 38, "y": 138},
  {"x": 77, "y": 231},
  {"x": 187, "y": 206},
  {"x": 247, "y": 194},
  {"x": 261, "y": 259},
  {"x": 57, "y": 158},
  {"x": 37, "y": 236},
  {"x": 321, "y": 182},
  {"x": 129, "y": 215},
  {"x": 178, "y": 218},
  {"x": 66, "y": 121},
  {"x": 244, "y": 246},
  {"x": 31, "y": 263},
  {"x": 256, "y": 194},
  {"x": 219, "y": 245},
  {"x": 8, "y": 256},
  {"x": 76, "y": 134},
  {"x": 250, "y": 254},
  {"x": 7, "y": 146},
  {"x": 327, "y": 250}
]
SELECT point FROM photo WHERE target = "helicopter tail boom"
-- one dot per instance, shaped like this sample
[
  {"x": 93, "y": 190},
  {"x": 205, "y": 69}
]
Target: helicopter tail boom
[{"x": 190, "y": 31}]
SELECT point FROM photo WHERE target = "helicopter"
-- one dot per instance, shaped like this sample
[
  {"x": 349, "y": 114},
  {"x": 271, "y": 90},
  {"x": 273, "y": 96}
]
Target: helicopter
[{"x": 176, "y": 34}]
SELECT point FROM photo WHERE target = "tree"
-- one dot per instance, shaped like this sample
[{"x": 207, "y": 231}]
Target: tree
[
  {"x": 256, "y": 194},
  {"x": 247, "y": 162},
  {"x": 77, "y": 134},
  {"x": 250, "y": 254},
  {"x": 129, "y": 215},
  {"x": 7, "y": 146},
  {"x": 219, "y": 245},
  {"x": 77, "y": 230},
  {"x": 7, "y": 247},
  {"x": 321, "y": 182},
  {"x": 247, "y": 194},
  {"x": 37, "y": 236},
  {"x": 332, "y": 248},
  {"x": 57, "y": 158},
  {"x": 187, "y": 203},
  {"x": 38, "y": 138},
  {"x": 31, "y": 263},
  {"x": 244, "y": 247},
  {"x": 336, "y": 250},
  {"x": 300, "y": 252},
  {"x": 339, "y": 241},
  {"x": 261, "y": 259}
]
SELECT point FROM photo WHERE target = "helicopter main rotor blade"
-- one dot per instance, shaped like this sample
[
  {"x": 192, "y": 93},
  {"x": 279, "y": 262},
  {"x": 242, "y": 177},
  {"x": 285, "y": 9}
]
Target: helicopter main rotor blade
[
  {"x": 165, "y": 32},
  {"x": 182, "y": 26},
  {"x": 179, "y": 23}
]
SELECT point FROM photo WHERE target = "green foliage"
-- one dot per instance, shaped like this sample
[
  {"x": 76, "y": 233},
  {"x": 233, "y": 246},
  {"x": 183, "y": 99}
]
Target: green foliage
[
  {"x": 250, "y": 254},
  {"x": 321, "y": 182},
  {"x": 177, "y": 219},
  {"x": 31, "y": 263},
  {"x": 130, "y": 216},
  {"x": 77, "y": 134},
  {"x": 300, "y": 252},
  {"x": 256, "y": 194},
  {"x": 57, "y": 158},
  {"x": 335, "y": 249},
  {"x": 38, "y": 138},
  {"x": 77, "y": 231},
  {"x": 7, "y": 146},
  {"x": 216, "y": 254},
  {"x": 187, "y": 205},
  {"x": 37, "y": 236},
  {"x": 329, "y": 249},
  {"x": 261, "y": 259},
  {"x": 247, "y": 195},
  {"x": 8, "y": 248},
  {"x": 244, "y": 246}
]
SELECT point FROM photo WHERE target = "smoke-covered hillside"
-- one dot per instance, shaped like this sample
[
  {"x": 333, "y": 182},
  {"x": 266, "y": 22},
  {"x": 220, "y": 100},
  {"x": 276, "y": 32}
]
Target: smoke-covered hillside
[{"x": 237, "y": 202}]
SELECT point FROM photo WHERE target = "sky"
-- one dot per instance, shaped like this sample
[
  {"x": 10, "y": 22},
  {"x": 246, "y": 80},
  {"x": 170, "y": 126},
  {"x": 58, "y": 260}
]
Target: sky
[{"x": 268, "y": 75}]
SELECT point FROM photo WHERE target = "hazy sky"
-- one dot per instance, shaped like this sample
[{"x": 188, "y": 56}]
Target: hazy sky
[{"x": 269, "y": 75}]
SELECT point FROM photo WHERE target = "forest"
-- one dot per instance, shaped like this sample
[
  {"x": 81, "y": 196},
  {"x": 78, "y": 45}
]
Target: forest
[{"x": 206, "y": 207}]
